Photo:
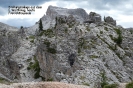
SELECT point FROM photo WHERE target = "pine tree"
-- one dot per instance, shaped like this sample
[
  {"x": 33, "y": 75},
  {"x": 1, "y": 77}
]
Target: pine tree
[
  {"x": 21, "y": 27},
  {"x": 104, "y": 19},
  {"x": 40, "y": 25}
]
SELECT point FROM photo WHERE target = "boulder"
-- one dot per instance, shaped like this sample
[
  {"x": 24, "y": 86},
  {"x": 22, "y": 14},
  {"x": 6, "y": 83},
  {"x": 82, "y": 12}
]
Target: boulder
[
  {"x": 94, "y": 17},
  {"x": 110, "y": 20}
]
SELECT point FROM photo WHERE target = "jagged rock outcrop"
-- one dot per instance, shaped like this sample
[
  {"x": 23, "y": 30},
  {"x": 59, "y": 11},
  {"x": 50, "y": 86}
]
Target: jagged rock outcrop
[
  {"x": 110, "y": 20},
  {"x": 94, "y": 17},
  {"x": 52, "y": 12}
]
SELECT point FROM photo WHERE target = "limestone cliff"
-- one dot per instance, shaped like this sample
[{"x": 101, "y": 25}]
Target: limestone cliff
[{"x": 75, "y": 47}]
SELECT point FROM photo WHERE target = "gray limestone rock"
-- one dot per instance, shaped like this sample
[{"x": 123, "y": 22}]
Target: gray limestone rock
[
  {"x": 68, "y": 50},
  {"x": 9, "y": 43},
  {"x": 94, "y": 17},
  {"x": 110, "y": 20}
]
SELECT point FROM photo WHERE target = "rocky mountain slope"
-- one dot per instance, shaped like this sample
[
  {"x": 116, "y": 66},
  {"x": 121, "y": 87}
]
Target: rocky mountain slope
[{"x": 74, "y": 47}]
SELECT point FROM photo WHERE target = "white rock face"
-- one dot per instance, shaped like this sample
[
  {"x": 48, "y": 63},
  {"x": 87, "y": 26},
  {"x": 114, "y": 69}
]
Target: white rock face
[
  {"x": 24, "y": 53},
  {"x": 71, "y": 50}
]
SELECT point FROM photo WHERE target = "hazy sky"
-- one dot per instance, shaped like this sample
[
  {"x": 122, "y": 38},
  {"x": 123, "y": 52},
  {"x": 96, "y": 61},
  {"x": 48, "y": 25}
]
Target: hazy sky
[{"x": 120, "y": 10}]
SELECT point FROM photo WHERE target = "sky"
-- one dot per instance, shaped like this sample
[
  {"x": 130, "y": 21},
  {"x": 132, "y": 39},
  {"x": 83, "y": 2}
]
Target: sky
[{"x": 120, "y": 10}]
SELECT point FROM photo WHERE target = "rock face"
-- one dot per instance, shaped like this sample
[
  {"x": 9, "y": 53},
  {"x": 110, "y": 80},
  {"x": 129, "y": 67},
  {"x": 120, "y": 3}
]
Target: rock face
[
  {"x": 68, "y": 50},
  {"x": 94, "y": 17},
  {"x": 9, "y": 44},
  {"x": 79, "y": 14},
  {"x": 110, "y": 20}
]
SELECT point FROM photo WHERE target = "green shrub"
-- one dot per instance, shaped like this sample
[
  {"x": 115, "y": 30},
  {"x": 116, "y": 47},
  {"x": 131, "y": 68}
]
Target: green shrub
[
  {"x": 28, "y": 60},
  {"x": 47, "y": 43},
  {"x": 118, "y": 31},
  {"x": 49, "y": 33},
  {"x": 105, "y": 28},
  {"x": 2, "y": 80},
  {"x": 104, "y": 80},
  {"x": 50, "y": 79},
  {"x": 79, "y": 50},
  {"x": 101, "y": 32},
  {"x": 35, "y": 66},
  {"x": 31, "y": 37},
  {"x": 111, "y": 86},
  {"x": 66, "y": 30},
  {"x": 131, "y": 31},
  {"x": 129, "y": 85},
  {"x": 26, "y": 38},
  {"x": 41, "y": 33},
  {"x": 104, "y": 84},
  {"x": 51, "y": 50},
  {"x": 111, "y": 37},
  {"x": 32, "y": 41},
  {"x": 118, "y": 40},
  {"x": 87, "y": 29},
  {"x": 60, "y": 20}
]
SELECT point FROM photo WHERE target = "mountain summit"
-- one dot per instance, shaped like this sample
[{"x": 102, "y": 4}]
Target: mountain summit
[
  {"x": 80, "y": 15},
  {"x": 73, "y": 47}
]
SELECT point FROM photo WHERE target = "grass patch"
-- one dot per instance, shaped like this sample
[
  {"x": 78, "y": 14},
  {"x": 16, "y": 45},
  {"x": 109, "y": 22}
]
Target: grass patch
[
  {"x": 49, "y": 33},
  {"x": 93, "y": 56},
  {"x": 111, "y": 86},
  {"x": 105, "y": 28},
  {"x": 4, "y": 81},
  {"x": 86, "y": 84},
  {"x": 103, "y": 80},
  {"x": 82, "y": 77},
  {"x": 32, "y": 37},
  {"x": 129, "y": 85}
]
